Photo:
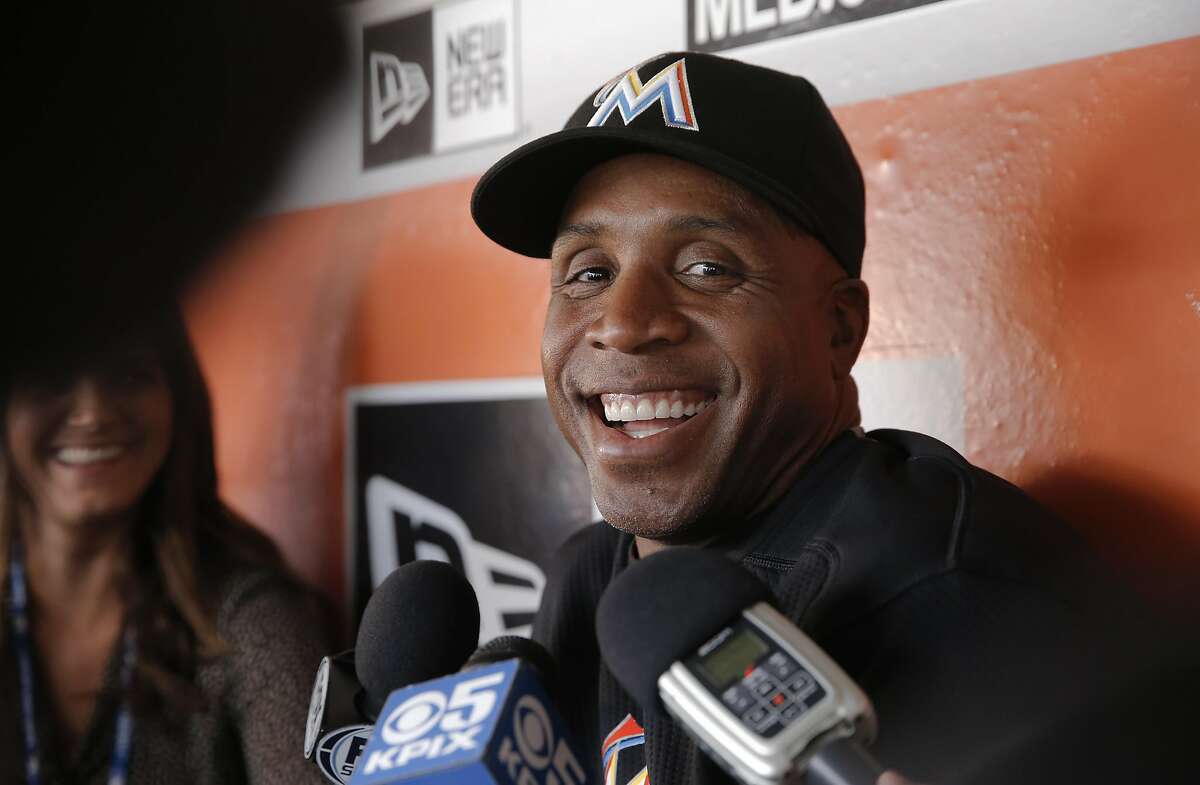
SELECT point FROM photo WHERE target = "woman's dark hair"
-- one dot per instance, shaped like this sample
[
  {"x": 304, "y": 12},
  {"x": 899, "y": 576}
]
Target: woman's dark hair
[{"x": 186, "y": 539}]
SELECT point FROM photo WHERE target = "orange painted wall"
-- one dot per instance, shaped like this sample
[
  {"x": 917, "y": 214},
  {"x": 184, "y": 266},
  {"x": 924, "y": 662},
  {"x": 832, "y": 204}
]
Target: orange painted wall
[
  {"x": 1040, "y": 226},
  {"x": 1043, "y": 227}
]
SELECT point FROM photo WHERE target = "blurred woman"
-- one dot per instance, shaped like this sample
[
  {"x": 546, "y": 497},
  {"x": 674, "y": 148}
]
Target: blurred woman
[{"x": 150, "y": 635}]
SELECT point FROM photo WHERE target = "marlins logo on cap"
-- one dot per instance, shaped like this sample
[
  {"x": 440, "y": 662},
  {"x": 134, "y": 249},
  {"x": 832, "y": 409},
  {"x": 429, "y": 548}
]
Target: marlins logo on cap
[
  {"x": 768, "y": 131},
  {"x": 669, "y": 88}
]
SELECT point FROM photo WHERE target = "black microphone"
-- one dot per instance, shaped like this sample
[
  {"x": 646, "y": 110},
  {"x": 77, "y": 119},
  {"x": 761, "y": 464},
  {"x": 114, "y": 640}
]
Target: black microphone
[
  {"x": 689, "y": 630},
  {"x": 420, "y": 623},
  {"x": 337, "y": 729},
  {"x": 492, "y": 722},
  {"x": 515, "y": 647}
]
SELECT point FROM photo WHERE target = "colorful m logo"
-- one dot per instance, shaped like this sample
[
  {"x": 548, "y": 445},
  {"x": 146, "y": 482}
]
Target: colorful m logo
[{"x": 669, "y": 87}]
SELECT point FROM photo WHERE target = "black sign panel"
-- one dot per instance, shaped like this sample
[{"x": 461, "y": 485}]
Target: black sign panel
[
  {"x": 713, "y": 25},
  {"x": 488, "y": 485},
  {"x": 397, "y": 90}
]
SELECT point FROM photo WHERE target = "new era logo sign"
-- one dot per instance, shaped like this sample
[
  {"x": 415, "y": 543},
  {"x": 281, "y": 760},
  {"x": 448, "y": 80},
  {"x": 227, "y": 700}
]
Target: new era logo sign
[
  {"x": 438, "y": 80},
  {"x": 398, "y": 91},
  {"x": 472, "y": 473},
  {"x": 508, "y": 586}
]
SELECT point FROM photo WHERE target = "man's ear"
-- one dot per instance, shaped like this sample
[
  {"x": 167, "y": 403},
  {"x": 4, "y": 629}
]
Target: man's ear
[{"x": 851, "y": 313}]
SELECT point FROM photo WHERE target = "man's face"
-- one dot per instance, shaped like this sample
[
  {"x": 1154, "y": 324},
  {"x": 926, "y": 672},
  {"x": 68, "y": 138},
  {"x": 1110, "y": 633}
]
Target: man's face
[{"x": 696, "y": 346}]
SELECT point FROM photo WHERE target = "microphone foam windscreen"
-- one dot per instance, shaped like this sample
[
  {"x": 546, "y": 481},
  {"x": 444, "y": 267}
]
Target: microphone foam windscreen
[
  {"x": 663, "y": 608},
  {"x": 508, "y": 647},
  {"x": 421, "y": 623}
]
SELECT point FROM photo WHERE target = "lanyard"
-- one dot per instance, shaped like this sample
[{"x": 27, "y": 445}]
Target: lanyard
[{"x": 19, "y": 603}]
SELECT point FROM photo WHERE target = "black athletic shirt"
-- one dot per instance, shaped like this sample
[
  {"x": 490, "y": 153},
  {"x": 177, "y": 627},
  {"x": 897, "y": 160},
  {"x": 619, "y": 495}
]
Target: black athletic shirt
[{"x": 951, "y": 597}]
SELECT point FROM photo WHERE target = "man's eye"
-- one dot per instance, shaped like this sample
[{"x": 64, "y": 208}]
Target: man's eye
[
  {"x": 706, "y": 269},
  {"x": 592, "y": 275}
]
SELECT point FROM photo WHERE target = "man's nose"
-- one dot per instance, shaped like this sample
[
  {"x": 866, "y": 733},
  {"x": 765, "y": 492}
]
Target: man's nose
[{"x": 638, "y": 315}]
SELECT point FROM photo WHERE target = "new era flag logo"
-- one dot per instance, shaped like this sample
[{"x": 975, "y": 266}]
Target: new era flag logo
[
  {"x": 508, "y": 586},
  {"x": 398, "y": 91},
  {"x": 438, "y": 80}
]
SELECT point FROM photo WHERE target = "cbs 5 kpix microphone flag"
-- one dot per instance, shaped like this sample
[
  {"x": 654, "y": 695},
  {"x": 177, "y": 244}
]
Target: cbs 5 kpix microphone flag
[{"x": 475, "y": 474}]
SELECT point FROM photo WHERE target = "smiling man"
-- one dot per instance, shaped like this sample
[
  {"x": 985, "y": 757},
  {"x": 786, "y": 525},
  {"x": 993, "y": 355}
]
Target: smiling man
[
  {"x": 704, "y": 221},
  {"x": 697, "y": 349}
]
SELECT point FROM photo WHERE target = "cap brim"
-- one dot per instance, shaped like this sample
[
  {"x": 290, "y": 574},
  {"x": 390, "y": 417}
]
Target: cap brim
[{"x": 519, "y": 201}]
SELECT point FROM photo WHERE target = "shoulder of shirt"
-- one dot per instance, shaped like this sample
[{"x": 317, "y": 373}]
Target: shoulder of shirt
[
  {"x": 596, "y": 537},
  {"x": 576, "y": 575},
  {"x": 987, "y": 524},
  {"x": 908, "y": 509},
  {"x": 585, "y": 557},
  {"x": 256, "y": 595}
]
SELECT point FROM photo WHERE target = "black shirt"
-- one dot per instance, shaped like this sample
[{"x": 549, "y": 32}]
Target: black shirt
[{"x": 951, "y": 597}]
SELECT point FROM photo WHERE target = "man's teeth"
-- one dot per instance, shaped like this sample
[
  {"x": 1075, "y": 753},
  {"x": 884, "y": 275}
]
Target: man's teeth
[
  {"x": 621, "y": 407},
  {"x": 642, "y": 434},
  {"x": 81, "y": 456}
]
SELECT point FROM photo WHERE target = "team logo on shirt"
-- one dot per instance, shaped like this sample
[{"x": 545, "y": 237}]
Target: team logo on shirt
[
  {"x": 624, "y": 752},
  {"x": 629, "y": 96}
]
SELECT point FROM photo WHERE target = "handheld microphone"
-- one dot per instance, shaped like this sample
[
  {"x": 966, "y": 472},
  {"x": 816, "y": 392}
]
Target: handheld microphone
[
  {"x": 509, "y": 647},
  {"x": 422, "y": 622},
  {"x": 337, "y": 729},
  {"x": 492, "y": 723},
  {"x": 691, "y": 628}
]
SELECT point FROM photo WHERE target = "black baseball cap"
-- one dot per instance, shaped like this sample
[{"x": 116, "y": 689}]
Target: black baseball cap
[{"x": 769, "y": 131}]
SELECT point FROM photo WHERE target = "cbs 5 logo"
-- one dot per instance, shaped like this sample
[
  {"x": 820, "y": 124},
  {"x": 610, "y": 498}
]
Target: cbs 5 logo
[
  {"x": 458, "y": 716},
  {"x": 532, "y": 755}
]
